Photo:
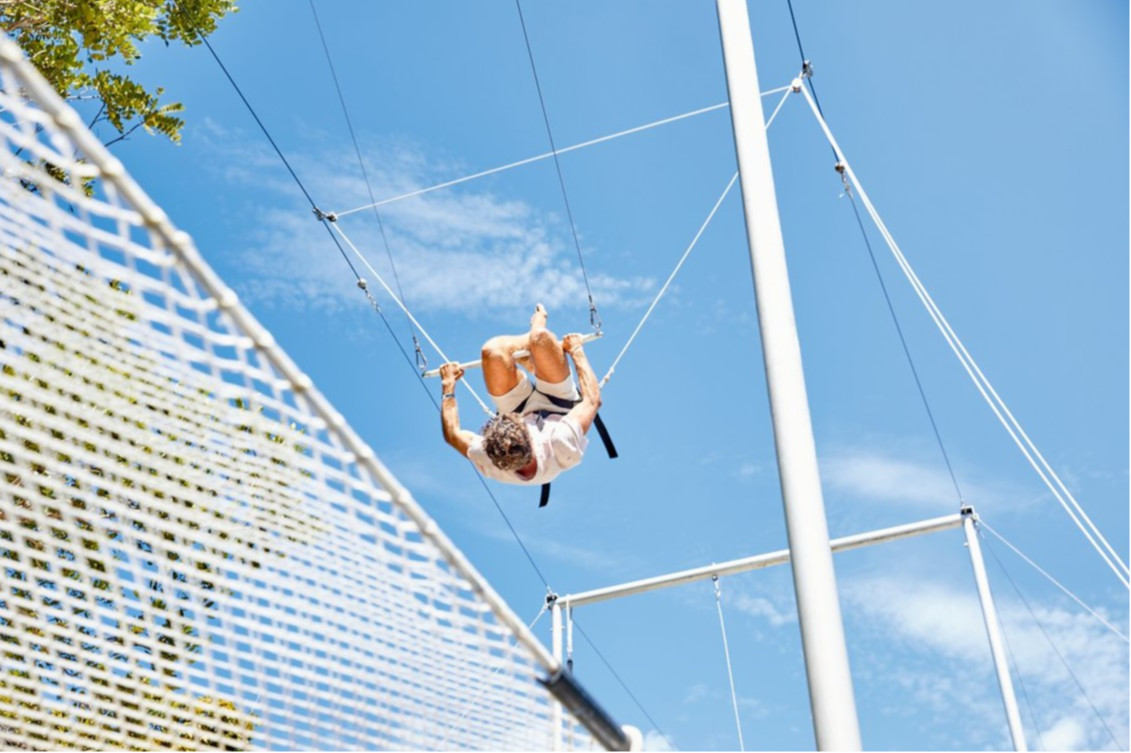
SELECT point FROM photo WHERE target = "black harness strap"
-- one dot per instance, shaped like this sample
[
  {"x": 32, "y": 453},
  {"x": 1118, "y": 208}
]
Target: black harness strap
[
  {"x": 566, "y": 405},
  {"x": 605, "y": 438}
]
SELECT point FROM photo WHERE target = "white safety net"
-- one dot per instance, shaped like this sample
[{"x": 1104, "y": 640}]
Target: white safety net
[{"x": 196, "y": 552}]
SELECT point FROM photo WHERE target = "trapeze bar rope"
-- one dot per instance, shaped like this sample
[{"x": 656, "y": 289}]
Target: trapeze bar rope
[
  {"x": 408, "y": 313},
  {"x": 726, "y": 652}
]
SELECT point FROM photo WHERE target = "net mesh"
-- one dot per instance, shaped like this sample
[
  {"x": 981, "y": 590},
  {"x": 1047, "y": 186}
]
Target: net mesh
[{"x": 193, "y": 555}]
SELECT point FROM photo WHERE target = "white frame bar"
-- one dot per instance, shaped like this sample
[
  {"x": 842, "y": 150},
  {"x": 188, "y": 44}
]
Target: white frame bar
[
  {"x": 757, "y": 562},
  {"x": 967, "y": 520}
]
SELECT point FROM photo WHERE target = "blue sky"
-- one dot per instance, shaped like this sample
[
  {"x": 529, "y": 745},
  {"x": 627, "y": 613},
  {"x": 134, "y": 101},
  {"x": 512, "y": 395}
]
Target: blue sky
[{"x": 991, "y": 138}]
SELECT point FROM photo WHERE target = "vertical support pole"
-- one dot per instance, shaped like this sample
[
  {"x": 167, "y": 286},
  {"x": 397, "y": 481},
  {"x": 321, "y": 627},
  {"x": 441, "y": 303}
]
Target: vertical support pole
[
  {"x": 993, "y": 633},
  {"x": 556, "y": 648},
  {"x": 569, "y": 636},
  {"x": 831, "y": 695}
]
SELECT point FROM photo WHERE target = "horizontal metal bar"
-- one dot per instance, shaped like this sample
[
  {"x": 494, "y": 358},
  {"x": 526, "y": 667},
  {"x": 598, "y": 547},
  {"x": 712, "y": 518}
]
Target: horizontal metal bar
[
  {"x": 517, "y": 354},
  {"x": 759, "y": 561}
]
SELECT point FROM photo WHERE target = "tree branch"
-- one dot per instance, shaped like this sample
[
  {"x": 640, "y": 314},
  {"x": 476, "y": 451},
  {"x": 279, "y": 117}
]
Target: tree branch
[{"x": 125, "y": 134}]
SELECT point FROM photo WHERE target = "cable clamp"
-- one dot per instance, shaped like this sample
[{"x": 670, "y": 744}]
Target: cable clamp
[
  {"x": 594, "y": 317},
  {"x": 551, "y": 598},
  {"x": 361, "y": 283},
  {"x": 807, "y": 69},
  {"x": 967, "y": 511},
  {"x": 842, "y": 168},
  {"x": 421, "y": 359},
  {"x": 325, "y": 216}
]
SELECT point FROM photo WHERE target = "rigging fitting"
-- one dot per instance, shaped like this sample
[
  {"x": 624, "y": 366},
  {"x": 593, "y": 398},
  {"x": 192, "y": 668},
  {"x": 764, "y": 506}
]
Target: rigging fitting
[{"x": 325, "y": 216}]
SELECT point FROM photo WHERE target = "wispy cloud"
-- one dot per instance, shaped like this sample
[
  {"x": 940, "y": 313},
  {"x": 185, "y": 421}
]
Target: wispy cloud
[
  {"x": 899, "y": 477},
  {"x": 653, "y": 740},
  {"x": 594, "y": 558},
  {"x": 748, "y": 470},
  {"x": 466, "y": 250},
  {"x": 882, "y": 477},
  {"x": 696, "y": 692},
  {"x": 776, "y": 614},
  {"x": 945, "y": 623}
]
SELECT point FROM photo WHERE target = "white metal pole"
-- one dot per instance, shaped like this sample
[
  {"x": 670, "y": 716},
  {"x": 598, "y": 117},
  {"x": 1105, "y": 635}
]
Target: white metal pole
[
  {"x": 831, "y": 695},
  {"x": 993, "y": 633},
  {"x": 556, "y": 649}
]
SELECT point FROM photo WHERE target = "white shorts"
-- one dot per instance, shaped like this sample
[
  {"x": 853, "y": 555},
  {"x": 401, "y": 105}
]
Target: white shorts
[{"x": 564, "y": 390}]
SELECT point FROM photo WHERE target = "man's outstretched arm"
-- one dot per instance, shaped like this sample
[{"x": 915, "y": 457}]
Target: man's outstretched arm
[
  {"x": 587, "y": 383},
  {"x": 459, "y": 439}
]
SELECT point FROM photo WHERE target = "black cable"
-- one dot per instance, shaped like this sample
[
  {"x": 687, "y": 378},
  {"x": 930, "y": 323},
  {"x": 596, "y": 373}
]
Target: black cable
[
  {"x": 1021, "y": 682},
  {"x": 420, "y": 377},
  {"x": 259, "y": 122},
  {"x": 875, "y": 265},
  {"x": 903, "y": 342},
  {"x": 478, "y": 475},
  {"x": 364, "y": 172},
  {"x": 631, "y": 695},
  {"x": 807, "y": 69},
  {"x": 594, "y": 319},
  {"x": 1048, "y": 638},
  {"x": 278, "y": 151},
  {"x": 804, "y": 60},
  {"x": 346, "y": 257}
]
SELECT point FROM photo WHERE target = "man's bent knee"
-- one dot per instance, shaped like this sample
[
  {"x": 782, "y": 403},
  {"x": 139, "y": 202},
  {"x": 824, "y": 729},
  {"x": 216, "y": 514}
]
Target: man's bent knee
[
  {"x": 495, "y": 349},
  {"x": 542, "y": 338}
]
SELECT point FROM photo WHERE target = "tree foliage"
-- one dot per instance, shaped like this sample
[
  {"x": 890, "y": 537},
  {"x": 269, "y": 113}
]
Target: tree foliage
[{"x": 82, "y": 46}]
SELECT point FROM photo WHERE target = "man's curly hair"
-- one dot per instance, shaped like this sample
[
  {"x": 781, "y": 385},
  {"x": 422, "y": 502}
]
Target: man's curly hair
[{"x": 507, "y": 442}]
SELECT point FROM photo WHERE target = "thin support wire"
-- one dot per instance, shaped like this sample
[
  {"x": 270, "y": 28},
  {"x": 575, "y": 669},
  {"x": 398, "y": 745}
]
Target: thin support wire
[
  {"x": 664, "y": 289},
  {"x": 1052, "y": 644},
  {"x": 902, "y": 338},
  {"x": 1021, "y": 681},
  {"x": 594, "y": 317},
  {"x": 408, "y": 313},
  {"x": 807, "y": 77},
  {"x": 471, "y": 704},
  {"x": 623, "y": 685},
  {"x": 548, "y": 155},
  {"x": 691, "y": 246},
  {"x": 726, "y": 652},
  {"x": 1054, "y": 581},
  {"x": 364, "y": 174}
]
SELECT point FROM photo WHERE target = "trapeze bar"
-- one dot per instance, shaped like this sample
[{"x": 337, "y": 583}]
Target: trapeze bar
[{"x": 518, "y": 354}]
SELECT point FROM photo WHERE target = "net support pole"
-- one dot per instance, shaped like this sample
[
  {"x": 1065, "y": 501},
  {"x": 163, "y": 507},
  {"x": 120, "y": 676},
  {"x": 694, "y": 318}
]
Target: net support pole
[
  {"x": 993, "y": 632},
  {"x": 831, "y": 695},
  {"x": 556, "y": 650}
]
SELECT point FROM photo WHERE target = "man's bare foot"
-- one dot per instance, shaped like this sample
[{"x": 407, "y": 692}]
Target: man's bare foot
[{"x": 538, "y": 321}]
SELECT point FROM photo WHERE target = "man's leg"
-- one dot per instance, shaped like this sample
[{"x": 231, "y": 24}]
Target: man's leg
[
  {"x": 550, "y": 364},
  {"x": 499, "y": 372}
]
